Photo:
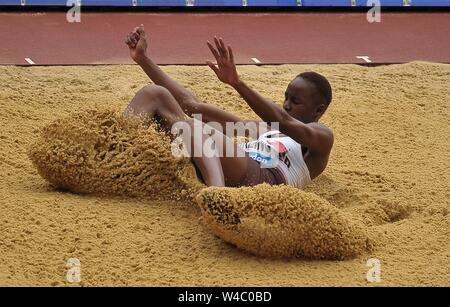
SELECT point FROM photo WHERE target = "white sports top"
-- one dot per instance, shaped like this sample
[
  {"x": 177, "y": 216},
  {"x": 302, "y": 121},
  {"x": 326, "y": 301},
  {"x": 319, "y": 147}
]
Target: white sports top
[{"x": 283, "y": 153}]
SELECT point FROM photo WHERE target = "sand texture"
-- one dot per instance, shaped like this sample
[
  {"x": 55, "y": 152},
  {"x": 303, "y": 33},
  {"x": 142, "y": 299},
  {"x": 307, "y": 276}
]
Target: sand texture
[
  {"x": 385, "y": 193},
  {"x": 281, "y": 222},
  {"x": 102, "y": 152}
]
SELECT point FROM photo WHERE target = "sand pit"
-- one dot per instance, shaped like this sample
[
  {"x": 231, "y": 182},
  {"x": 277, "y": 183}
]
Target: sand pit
[{"x": 389, "y": 171}]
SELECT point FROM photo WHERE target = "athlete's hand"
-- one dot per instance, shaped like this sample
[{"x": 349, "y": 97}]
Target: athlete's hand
[
  {"x": 225, "y": 69},
  {"x": 137, "y": 43}
]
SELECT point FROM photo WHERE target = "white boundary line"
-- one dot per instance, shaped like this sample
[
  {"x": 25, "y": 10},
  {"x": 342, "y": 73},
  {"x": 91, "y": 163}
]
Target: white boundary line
[
  {"x": 256, "y": 60},
  {"x": 366, "y": 58},
  {"x": 29, "y": 61}
]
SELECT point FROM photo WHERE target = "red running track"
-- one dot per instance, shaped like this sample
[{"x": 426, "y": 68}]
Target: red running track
[{"x": 272, "y": 38}]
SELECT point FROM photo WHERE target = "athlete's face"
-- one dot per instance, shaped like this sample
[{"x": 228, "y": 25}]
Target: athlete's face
[{"x": 300, "y": 101}]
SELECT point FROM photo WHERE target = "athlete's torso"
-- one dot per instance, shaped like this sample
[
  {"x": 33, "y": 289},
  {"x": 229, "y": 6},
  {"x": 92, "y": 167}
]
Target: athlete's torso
[{"x": 272, "y": 149}]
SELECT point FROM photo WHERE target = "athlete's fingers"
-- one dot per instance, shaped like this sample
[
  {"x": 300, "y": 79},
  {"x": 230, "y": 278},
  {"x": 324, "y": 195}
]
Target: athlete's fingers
[
  {"x": 224, "y": 49},
  {"x": 230, "y": 51},
  {"x": 141, "y": 31},
  {"x": 219, "y": 47},
  {"x": 213, "y": 67},
  {"x": 128, "y": 40},
  {"x": 214, "y": 51}
]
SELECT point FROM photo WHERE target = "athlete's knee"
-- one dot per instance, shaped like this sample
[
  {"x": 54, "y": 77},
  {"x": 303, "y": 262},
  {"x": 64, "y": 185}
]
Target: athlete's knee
[
  {"x": 191, "y": 103},
  {"x": 154, "y": 91}
]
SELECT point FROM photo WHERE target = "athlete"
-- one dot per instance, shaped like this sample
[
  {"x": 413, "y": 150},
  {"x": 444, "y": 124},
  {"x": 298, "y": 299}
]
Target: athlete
[{"x": 302, "y": 144}]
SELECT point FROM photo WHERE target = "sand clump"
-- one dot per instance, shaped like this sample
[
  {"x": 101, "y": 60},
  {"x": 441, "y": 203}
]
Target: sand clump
[
  {"x": 103, "y": 152},
  {"x": 281, "y": 221}
]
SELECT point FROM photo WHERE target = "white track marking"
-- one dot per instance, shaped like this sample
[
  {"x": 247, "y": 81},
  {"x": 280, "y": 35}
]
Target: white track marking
[
  {"x": 365, "y": 58},
  {"x": 256, "y": 60},
  {"x": 29, "y": 61}
]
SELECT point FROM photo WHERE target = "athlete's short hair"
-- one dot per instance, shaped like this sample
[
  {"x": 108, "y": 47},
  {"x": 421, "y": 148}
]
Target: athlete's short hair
[{"x": 321, "y": 84}]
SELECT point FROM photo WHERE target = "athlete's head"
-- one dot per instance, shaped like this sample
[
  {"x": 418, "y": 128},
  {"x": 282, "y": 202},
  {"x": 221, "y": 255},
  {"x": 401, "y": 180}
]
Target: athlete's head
[{"x": 307, "y": 97}]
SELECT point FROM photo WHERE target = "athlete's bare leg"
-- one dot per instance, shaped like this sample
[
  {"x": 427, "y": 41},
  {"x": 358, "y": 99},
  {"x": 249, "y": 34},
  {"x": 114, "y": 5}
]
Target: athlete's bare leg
[{"x": 156, "y": 101}]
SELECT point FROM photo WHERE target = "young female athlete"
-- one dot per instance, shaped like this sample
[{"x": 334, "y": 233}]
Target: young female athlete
[{"x": 301, "y": 143}]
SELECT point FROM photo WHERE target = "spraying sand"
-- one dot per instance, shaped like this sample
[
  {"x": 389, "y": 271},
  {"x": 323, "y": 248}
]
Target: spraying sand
[
  {"x": 388, "y": 176},
  {"x": 103, "y": 152}
]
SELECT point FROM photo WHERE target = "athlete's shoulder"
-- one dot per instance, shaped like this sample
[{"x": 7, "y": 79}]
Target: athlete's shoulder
[
  {"x": 324, "y": 135},
  {"x": 322, "y": 128}
]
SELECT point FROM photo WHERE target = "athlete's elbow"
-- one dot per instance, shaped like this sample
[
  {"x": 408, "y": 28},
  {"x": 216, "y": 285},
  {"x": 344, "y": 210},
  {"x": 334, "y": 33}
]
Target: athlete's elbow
[
  {"x": 276, "y": 116},
  {"x": 283, "y": 118}
]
